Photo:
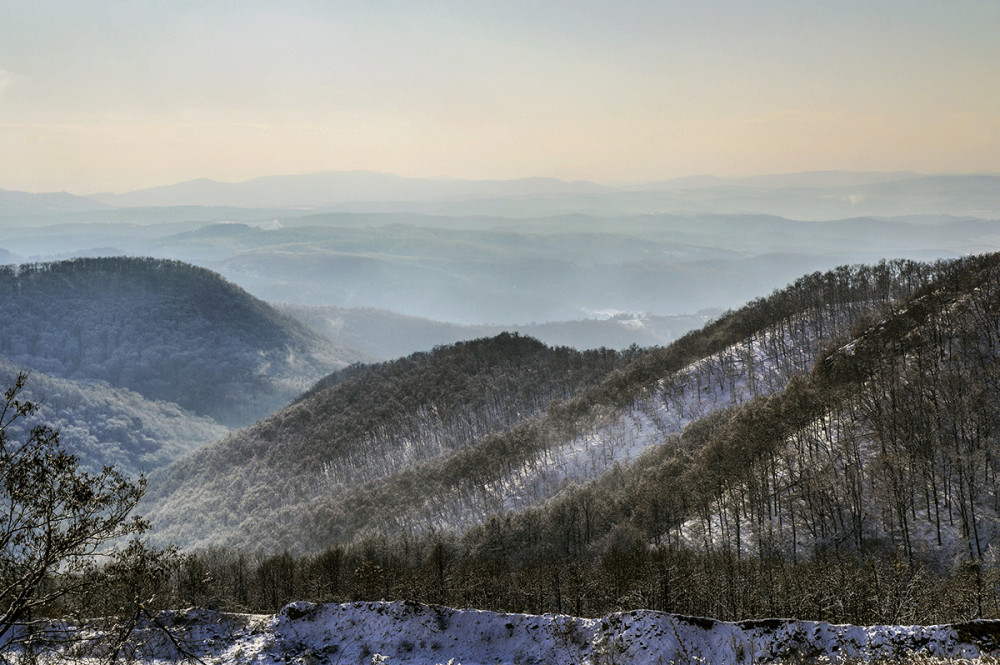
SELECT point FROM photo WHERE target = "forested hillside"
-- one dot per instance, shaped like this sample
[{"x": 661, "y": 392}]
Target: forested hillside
[
  {"x": 844, "y": 429},
  {"x": 167, "y": 330},
  {"x": 748, "y": 354},
  {"x": 360, "y": 425},
  {"x": 459, "y": 478},
  {"x": 101, "y": 424}
]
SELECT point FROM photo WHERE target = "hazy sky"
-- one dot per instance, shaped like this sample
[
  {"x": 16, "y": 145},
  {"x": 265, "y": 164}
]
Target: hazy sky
[{"x": 116, "y": 95}]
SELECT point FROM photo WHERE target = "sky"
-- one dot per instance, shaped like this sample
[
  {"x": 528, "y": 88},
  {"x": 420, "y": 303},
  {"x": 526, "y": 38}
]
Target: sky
[{"x": 115, "y": 95}]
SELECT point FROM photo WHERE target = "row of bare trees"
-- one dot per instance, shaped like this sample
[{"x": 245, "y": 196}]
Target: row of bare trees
[
  {"x": 876, "y": 586},
  {"x": 906, "y": 452}
]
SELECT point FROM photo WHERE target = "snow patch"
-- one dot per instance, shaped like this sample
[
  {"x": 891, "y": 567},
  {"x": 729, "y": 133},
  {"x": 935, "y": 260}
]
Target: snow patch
[{"x": 405, "y": 633}]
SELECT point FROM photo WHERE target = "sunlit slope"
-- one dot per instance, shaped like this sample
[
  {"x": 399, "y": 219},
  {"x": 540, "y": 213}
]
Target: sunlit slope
[
  {"x": 361, "y": 425},
  {"x": 607, "y": 433},
  {"x": 889, "y": 441}
]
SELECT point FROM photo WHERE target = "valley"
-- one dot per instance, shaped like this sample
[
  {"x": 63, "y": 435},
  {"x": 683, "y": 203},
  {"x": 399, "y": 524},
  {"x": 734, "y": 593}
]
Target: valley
[
  {"x": 491, "y": 333},
  {"x": 689, "y": 415}
]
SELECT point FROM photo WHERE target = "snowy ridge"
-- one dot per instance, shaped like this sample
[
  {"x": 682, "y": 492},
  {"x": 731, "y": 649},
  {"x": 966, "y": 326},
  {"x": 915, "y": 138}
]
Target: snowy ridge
[
  {"x": 414, "y": 634},
  {"x": 760, "y": 365}
]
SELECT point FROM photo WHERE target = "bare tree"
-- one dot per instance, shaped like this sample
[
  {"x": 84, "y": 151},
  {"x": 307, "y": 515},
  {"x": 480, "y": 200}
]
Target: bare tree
[{"x": 58, "y": 523}]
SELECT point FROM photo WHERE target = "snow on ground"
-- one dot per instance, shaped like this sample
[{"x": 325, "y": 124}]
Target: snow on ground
[
  {"x": 722, "y": 380},
  {"x": 406, "y": 633}
]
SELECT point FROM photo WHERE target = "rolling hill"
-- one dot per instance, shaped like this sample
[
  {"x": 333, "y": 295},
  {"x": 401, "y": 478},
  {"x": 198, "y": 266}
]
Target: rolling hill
[
  {"x": 360, "y": 425},
  {"x": 166, "y": 330}
]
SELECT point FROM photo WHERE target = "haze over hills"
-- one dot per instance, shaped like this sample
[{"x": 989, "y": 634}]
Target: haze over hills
[
  {"x": 25, "y": 204},
  {"x": 334, "y": 188},
  {"x": 810, "y": 196},
  {"x": 515, "y": 277},
  {"x": 514, "y": 258},
  {"x": 507, "y": 271},
  {"x": 384, "y": 335},
  {"x": 785, "y": 180},
  {"x": 562, "y": 269}
]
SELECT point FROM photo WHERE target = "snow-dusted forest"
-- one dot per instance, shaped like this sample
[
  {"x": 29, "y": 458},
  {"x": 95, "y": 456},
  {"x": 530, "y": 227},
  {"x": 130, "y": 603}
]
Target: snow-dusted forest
[{"x": 825, "y": 451}]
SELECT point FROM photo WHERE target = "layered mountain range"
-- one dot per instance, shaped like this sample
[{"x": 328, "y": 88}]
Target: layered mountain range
[
  {"x": 851, "y": 411},
  {"x": 850, "y": 408},
  {"x": 848, "y": 419},
  {"x": 817, "y": 195}
]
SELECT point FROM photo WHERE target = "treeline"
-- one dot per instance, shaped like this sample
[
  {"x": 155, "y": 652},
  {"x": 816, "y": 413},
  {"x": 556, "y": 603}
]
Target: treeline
[
  {"x": 893, "y": 439},
  {"x": 872, "y": 587}
]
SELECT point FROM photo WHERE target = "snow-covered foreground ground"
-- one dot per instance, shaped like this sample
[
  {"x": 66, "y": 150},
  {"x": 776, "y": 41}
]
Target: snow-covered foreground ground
[{"x": 409, "y": 633}]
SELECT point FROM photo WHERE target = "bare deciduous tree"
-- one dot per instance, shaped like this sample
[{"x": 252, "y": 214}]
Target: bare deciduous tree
[{"x": 58, "y": 522}]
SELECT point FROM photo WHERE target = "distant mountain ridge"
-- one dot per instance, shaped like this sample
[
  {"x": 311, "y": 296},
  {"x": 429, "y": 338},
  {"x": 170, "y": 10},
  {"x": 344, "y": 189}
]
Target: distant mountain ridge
[
  {"x": 15, "y": 203},
  {"x": 334, "y": 188},
  {"x": 818, "y": 195},
  {"x": 384, "y": 335},
  {"x": 781, "y": 180},
  {"x": 502, "y": 270}
]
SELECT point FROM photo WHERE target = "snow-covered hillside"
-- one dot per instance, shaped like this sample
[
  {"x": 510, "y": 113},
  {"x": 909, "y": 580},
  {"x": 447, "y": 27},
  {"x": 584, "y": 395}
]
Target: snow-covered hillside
[
  {"x": 402, "y": 633},
  {"x": 758, "y": 365},
  {"x": 905, "y": 455}
]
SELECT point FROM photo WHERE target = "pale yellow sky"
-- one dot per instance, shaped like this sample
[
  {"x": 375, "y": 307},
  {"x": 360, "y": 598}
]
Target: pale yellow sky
[{"x": 112, "y": 95}]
